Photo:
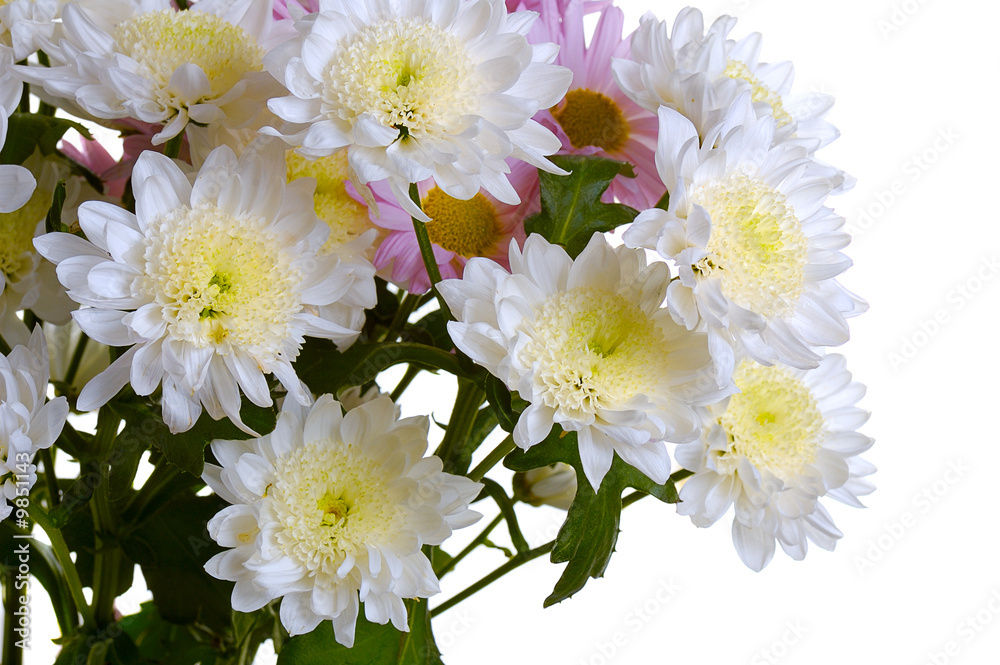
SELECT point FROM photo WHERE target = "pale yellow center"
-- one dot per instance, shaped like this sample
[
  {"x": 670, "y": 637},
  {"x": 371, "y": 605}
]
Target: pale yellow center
[
  {"x": 757, "y": 245},
  {"x": 759, "y": 92},
  {"x": 330, "y": 501},
  {"x": 16, "y": 232},
  {"x": 592, "y": 119},
  {"x": 346, "y": 218},
  {"x": 409, "y": 73},
  {"x": 594, "y": 349},
  {"x": 468, "y": 228},
  {"x": 222, "y": 281},
  {"x": 774, "y": 421},
  {"x": 161, "y": 41}
]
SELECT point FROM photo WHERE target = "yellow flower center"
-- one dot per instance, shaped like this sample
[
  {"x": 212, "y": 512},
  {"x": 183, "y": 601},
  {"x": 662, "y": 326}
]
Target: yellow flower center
[
  {"x": 409, "y": 73},
  {"x": 757, "y": 245},
  {"x": 346, "y": 218},
  {"x": 468, "y": 228},
  {"x": 774, "y": 421},
  {"x": 16, "y": 232},
  {"x": 161, "y": 41},
  {"x": 758, "y": 91},
  {"x": 594, "y": 349},
  {"x": 330, "y": 500},
  {"x": 223, "y": 281},
  {"x": 592, "y": 119}
]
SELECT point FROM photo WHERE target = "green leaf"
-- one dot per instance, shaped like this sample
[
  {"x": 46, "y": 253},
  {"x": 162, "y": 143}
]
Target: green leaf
[
  {"x": 185, "y": 450},
  {"x": 572, "y": 210},
  {"x": 500, "y": 400},
  {"x": 588, "y": 536},
  {"x": 26, "y": 131},
  {"x": 171, "y": 547},
  {"x": 53, "y": 221},
  {"x": 326, "y": 370},
  {"x": 165, "y": 643},
  {"x": 374, "y": 644}
]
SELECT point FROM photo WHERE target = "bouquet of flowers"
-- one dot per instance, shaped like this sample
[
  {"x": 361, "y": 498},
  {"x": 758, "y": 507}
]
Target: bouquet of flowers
[{"x": 619, "y": 246}]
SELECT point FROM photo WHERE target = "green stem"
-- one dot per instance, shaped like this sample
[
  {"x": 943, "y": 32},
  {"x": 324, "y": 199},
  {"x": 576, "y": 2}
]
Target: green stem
[
  {"x": 74, "y": 362},
  {"x": 406, "y": 307},
  {"x": 41, "y": 518},
  {"x": 107, "y": 555},
  {"x": 427, "y": 254},
  {"x": 30, "y": 320},
  {"x": 51, "y": 481},
  {"x": 172, "y": 149},
  {"x": 4, "y": 347},
  {"x": 12, "y": 653},
  {"x": 516, "y": 562},
  {"x": 503, "y": 449},
  {"x": 479, "y": 540},
  {"x": 162, "y": 477},
  {"x": 463, "y": 418},
  {"x": 411, "y": 373}
]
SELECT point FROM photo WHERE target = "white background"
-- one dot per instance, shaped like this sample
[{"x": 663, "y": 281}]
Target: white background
[{"x": 914, "y": 579}]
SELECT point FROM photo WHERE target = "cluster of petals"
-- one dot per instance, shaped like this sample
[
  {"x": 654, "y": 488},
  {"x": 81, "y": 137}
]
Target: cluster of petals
[
  {"x": 27, "y": 422},
  {"x": 772, "y": 452},
  {"x": 588, "y": 344},
  {"x": 755, "y": 247},
  {"x": 210, "y": 285},
  {"x": 330, "y": 510},
  {"x": 451, "y": 97}
]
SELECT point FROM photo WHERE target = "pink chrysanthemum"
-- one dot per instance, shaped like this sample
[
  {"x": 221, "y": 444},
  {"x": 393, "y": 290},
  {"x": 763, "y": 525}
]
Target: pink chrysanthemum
[
  {"x": 596, "y": 117},
  {"x": 459, "y": 230},
  {"x": 294, "y": 9}
]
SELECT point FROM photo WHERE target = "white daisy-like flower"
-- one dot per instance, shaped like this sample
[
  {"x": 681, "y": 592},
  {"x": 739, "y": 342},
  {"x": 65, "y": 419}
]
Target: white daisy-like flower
[
  {"x": 787, "y": 439},
  {"x": 700, "y": 73},
  {"x": 26, "y": 281},
  {"x": 151, "y": 62},
  {"x": 755, "y": 247},
  {"x": 16, "y": 182},
  {"x": 420, "y": 89},
  {"x": 27, "y": 422},
  {"x": 211, "y": 285},
  {"x": 553, "y": 485},
  {"x": 329, "y": 510},
  {"x": 587, "y": 343}
]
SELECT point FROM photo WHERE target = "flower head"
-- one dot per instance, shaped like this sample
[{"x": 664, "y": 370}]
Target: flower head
[
  {"x": 27, "y": 422},
  {"x": 212, "y": 285},
  {"x": 420, "y": 90},
  {"x": 701, "y": 73},
  {"x": 153, "y": 63},
  {"x": 588, "y": 345},
  {"x": 596, "y": 117},
  {"x": 773, "y": 450},
  {"x": 331, "y": 509},
  {"x": 459, "y": 230},
  {"x": 755, "y": 247}
]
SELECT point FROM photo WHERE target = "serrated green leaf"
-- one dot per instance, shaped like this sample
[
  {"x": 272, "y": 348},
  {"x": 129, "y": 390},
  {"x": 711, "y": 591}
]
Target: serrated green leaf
[
  {"x": 572, "y": 210},
  {"x": 326, "y": 370},
  {"x": 374, "y": 644},
  {"x": 588, "y": 536},
  {"x": 27, "y": 131}
]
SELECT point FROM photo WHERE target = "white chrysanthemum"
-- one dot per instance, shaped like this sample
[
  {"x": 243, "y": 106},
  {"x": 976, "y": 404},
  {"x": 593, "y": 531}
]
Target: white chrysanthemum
[
  {"x": 16, "y": 182},
  {"x": 27, "y": 422},
  {"x": 330, "y": 509},
  {"x": 755, "y": 247},
  {"x": 553, "y": 485},
  {"x": 420, "y": 89},
  {"x": 156, "y": 64},
  {"x": 212, "y": 285},
  {"x": 773, "y": 450},
  {"x": 700, "y": 74},
  {"x": 588, "y": 345},
  {"x": 26, "y": 281}
]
